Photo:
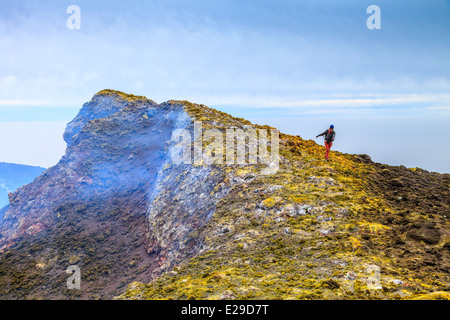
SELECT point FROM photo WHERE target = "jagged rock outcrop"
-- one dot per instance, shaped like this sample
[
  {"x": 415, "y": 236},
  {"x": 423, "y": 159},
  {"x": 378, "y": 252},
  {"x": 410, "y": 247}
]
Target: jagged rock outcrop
[
  {"x": 117, "y": 206},
  {"x": 91, "y": 207},
  {"x": 115, "y": 154}
]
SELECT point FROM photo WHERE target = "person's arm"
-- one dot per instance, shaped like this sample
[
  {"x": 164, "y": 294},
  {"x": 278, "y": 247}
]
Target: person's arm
[
  {"x": 334, "y": 136},
  {"x": 322, "y": 134}
]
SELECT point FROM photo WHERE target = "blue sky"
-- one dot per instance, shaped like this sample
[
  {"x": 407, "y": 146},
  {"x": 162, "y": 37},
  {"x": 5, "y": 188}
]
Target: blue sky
[{"x": 296, "y": 64}]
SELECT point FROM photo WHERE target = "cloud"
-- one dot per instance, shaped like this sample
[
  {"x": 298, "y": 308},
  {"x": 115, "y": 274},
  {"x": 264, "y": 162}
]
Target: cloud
[
  {"x": 441, "y": 108},
  {"x": 8, "y": 81},
  {"x": 333, "y": 101},
  {"x": 220, "y": 52},
  {"x": 21, "y": 102},
  {"x": 32, "y": 143},
  {"x": 3, "y": 186}
]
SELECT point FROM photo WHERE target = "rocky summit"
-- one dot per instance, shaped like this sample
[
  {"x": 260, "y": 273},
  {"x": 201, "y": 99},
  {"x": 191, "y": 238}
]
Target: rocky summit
[{"x": 139, "y": 225}]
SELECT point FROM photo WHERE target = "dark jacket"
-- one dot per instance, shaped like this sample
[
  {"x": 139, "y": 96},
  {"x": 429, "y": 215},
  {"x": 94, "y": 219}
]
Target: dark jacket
[{"x": 329, "y": 136}]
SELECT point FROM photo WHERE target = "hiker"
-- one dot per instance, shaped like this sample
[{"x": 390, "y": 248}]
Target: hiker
[{"x": 329, "y": 134}]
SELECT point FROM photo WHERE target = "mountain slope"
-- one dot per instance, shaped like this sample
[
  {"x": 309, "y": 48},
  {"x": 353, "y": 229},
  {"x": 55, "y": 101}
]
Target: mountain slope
[
  {"x": 344, "y": 229},
  {"x": 140, "y": 226},
  {"x": 90, "y": 208}
]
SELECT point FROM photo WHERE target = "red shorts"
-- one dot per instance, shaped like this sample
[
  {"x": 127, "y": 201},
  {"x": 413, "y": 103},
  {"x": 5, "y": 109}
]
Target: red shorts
[{"x": 327, "y": 147}]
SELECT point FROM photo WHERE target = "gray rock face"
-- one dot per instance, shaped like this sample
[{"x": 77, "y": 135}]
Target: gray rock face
[
  {"x": 114, "y": 145},
  {"x": 101, "y": 106},
  {"x": 186, "y": 199}
]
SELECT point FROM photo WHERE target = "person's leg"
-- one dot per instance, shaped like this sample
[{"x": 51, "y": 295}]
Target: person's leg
[{"x": 327, "y": 147}]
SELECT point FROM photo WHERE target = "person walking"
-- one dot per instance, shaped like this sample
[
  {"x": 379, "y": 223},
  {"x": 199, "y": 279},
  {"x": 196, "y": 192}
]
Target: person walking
[{"x": 329, "y": 136}]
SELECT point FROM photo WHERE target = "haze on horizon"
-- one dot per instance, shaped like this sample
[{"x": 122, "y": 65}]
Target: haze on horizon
[{"x": 295, "y": 65}]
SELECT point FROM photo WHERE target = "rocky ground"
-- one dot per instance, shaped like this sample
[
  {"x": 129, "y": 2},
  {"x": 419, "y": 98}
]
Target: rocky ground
[
  {"x": 348, "y": 228},
  {"x": 141, "y": 227}
]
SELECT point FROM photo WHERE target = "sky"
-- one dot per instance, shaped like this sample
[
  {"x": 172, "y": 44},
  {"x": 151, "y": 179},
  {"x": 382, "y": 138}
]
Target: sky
[{"x": 297, "y": 65}]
